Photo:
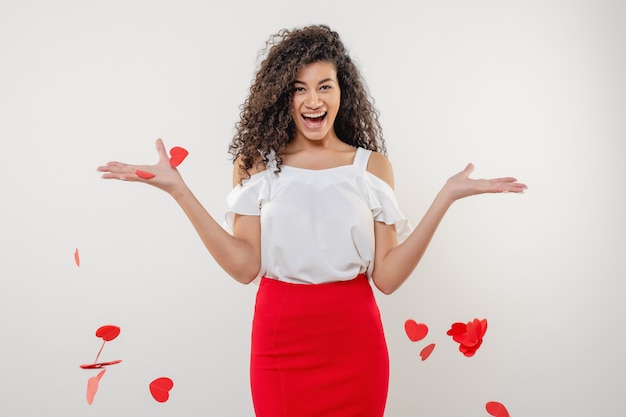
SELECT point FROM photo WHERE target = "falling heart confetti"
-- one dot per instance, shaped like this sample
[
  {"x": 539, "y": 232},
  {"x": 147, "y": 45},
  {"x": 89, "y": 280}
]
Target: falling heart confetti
[
  {"x": 425, "y": 353},
  {"x": 415, "y": 331},
  {"x": 76, "y": 257},
  {"x": 92, "y": 386},
  {"x": 160, "y": 389},
  {"x": 106, "y": 333},
  {"x": 469, "y": 336},
  {"x": 496, "y": 409},
  {"x": 144, "y": 174},
  {"x": 177, "y": 155},
  {"x": 100, "y": 365}
]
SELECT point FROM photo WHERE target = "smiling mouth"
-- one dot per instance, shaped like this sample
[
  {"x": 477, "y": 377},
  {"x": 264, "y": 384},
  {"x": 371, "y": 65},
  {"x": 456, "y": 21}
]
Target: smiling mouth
[{"x": 315, "y": 117}]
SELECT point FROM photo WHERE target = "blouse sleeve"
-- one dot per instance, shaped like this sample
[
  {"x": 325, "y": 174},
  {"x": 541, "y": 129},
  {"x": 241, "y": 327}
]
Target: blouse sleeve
[
  {"x": 384, "y": 206},
  {"x": 246, "y": 199}
]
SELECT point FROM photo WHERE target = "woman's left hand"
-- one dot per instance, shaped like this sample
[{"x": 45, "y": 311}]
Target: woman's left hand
[{"x": 461, "y": 185}]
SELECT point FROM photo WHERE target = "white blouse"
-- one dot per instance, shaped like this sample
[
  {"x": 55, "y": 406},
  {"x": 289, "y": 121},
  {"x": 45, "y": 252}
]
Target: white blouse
[{"x": 317, "y": 226}]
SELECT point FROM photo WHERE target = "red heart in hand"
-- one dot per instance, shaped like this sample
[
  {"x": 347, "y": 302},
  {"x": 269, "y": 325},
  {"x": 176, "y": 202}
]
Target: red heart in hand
[
  {"x": 108, "y": 332},
  {"x": 177, "y": 155},
  {"x": 144, "y": 174},
  {"x": 415, "y": 331},
  {"x": 425, "y": 353},
  {"x": 160, "y": 389},
  {"x": 496, "y": 409}
]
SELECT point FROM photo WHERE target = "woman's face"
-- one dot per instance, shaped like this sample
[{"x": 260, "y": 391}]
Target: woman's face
[{"x": 316, "y": 101}]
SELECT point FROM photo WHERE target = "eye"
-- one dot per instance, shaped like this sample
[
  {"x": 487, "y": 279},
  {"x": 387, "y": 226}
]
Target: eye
[{"x": 325, "y": 87}]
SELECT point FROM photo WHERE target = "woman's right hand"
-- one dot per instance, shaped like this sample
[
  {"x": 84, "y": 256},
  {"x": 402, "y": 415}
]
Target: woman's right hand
[{"x": 166, "y": 177}]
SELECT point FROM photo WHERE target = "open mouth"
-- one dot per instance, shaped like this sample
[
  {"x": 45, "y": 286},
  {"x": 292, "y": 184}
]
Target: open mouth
[{"x": 315, "y": 117}]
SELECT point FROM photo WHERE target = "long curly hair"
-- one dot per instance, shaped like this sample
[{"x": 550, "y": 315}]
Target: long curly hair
[{"x": 266, "y": 122}]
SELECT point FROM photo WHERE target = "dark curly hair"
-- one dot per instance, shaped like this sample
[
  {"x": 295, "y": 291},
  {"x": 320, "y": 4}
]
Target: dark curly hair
[{"x": 266, "y": 122}]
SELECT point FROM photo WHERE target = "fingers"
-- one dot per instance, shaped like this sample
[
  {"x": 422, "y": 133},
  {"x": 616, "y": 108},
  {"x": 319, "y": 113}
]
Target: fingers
[
  {"x": 508, "y": 186},
  {"x": 160, "y": 147},
  {"x": 504, "y": 179},
  {"x": 118, "y": 171},
  {"x": 127, "y": 172},
  {"x": 497, "y": 185}
]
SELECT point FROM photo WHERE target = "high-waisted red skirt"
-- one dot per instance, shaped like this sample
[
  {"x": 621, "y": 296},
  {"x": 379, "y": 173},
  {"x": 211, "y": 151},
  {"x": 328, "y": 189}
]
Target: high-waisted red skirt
[{"x": 318, "y": 350}]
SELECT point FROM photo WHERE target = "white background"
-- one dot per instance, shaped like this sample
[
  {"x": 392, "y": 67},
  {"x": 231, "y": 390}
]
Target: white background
[{"x": 533, "y": 89}]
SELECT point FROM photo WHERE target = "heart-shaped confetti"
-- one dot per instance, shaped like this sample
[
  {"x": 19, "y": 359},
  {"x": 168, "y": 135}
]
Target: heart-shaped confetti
[
  {"x": 100, "y": 364},
  {"x": 108, "y": 332},
  {"x": 144, "y": 174},
  {"x": 177, "y": 155},
  {"x": 469, "y": 335},
  {"x": 92, "y": 386},
  {"x": 425, "y": 353},
  {"x": 496, "y": 409},
  {"x": 415, "y": 331},
  {"x": 160, "y": 389},
  {"x": 76, "y": 257}
]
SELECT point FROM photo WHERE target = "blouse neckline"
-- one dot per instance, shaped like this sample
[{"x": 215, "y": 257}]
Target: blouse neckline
[
  {"x": 317, "y": 170},
  {"x": 354, "y": 163}
]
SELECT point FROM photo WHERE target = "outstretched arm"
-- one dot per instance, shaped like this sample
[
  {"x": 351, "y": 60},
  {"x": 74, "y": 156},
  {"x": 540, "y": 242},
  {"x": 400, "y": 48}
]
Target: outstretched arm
[
  {"x": 394, "y": 263},
  {"x": 238, "y": 254}
]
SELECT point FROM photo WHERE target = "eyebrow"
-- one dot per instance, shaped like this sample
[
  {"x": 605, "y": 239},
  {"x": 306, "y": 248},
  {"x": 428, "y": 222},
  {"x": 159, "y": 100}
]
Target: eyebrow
[{"x": 321, "y": 82}]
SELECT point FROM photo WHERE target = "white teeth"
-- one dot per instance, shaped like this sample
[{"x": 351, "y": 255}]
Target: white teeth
[{"x": 314, "y": 115}]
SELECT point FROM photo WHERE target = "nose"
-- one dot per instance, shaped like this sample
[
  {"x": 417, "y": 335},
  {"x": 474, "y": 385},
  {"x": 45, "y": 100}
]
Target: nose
[{"x": 313, "y": 100}]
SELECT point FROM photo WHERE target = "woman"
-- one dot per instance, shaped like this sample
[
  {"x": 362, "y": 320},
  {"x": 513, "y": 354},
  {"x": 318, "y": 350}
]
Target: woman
[{"x": 313, "y": 215}]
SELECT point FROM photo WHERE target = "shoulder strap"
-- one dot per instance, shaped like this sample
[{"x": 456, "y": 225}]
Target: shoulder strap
[{"x": 361, "y": 157}]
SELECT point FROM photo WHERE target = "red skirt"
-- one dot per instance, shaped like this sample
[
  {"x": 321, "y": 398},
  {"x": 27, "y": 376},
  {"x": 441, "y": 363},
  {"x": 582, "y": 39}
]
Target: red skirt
[{"x": 318, "y": 350}]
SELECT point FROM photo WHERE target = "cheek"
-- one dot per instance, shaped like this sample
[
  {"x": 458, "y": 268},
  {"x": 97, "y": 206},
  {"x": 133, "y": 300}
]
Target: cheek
[
  {"x": 337, "y": 101},
  {"x": 295, "y": 105}
]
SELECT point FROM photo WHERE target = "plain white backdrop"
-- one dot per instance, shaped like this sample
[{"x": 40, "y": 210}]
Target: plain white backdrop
[{"x": 533, "y": 89}]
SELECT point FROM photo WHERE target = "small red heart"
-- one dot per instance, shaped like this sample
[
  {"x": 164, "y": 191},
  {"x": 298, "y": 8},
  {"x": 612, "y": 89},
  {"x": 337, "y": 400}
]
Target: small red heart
[
  {"x": 144, "y": 174},
  {"x": 425, "y": 353},
  {"x": 496, "y": 409},
  {"x": 415, "y": 331},
  {"x": 108, "y": 332},
  {"x": 160, "y": 389},
  {"x": 76, "y": 257},
  {"x": 177, "y": 155}
]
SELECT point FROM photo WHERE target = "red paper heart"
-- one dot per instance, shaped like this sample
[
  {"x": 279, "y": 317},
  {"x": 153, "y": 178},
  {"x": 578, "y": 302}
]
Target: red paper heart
[
  {"x": 496, "y": 409},
  {"x": 469, "y": 336},
  {"x": 100, "y": 364},
  {"x": 108, "y": 332},
  {"x": 425, "y": 353},
  {"x": 92, "y": 386},
  {"x": 177, "y": 155},
  {"x": 76, "y": 257},
  {"x": 160, "y": 389},
  {"x": 415, "y": 331},
  {"x": 144, "y": 174}
]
